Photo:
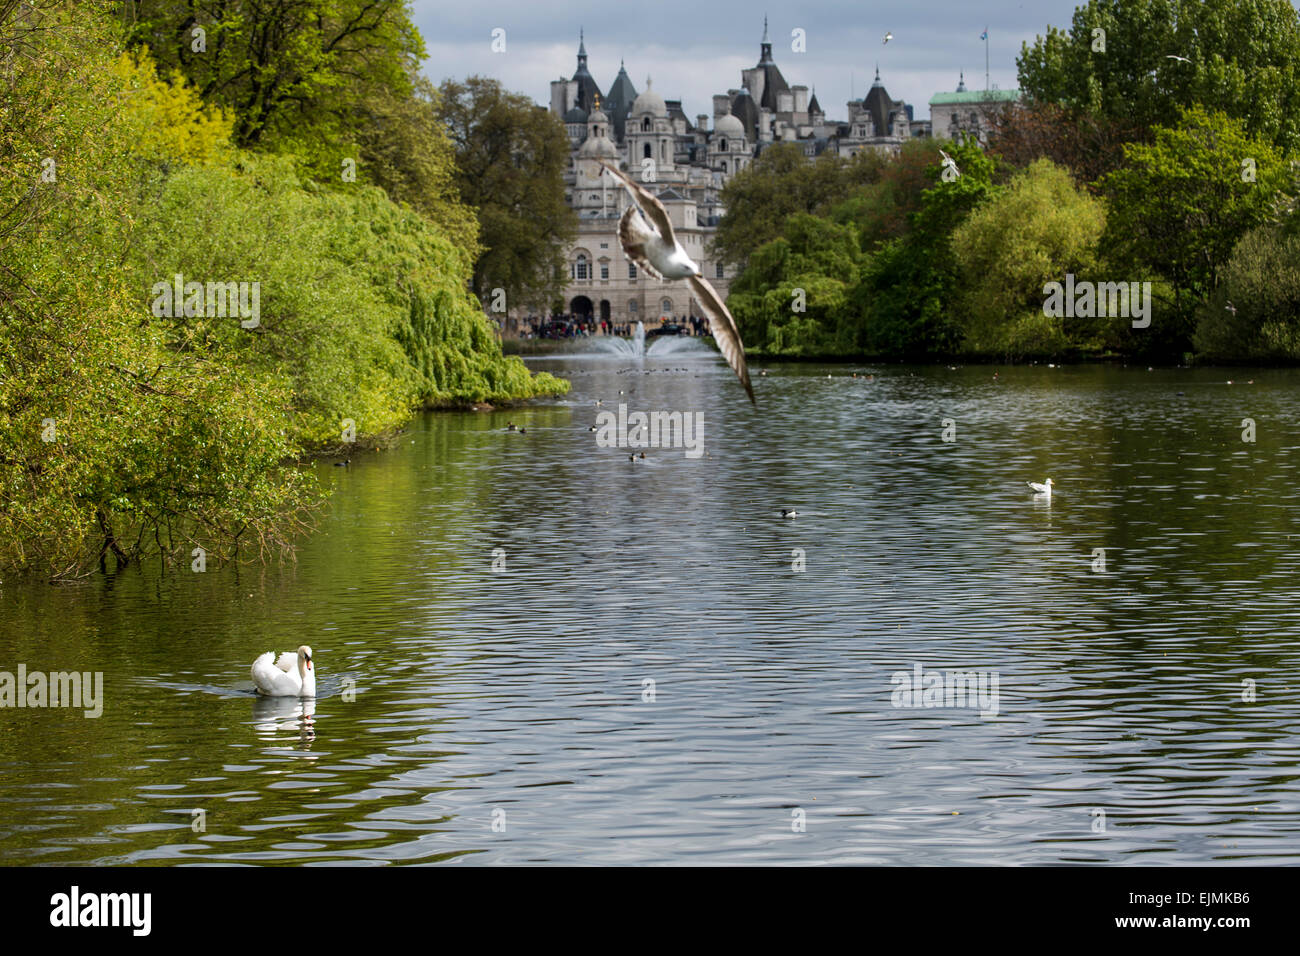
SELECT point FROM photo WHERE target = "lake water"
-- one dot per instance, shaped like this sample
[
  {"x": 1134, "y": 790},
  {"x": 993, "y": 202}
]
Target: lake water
[{"x": 507, "y": 716}]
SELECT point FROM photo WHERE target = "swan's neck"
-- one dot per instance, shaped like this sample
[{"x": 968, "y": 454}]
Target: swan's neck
[{"x": 308, "y": 675}]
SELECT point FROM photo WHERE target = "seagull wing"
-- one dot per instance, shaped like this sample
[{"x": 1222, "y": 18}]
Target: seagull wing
[
  {"x": 724, "y": 330},
  {"x": 651, "y": 206}
]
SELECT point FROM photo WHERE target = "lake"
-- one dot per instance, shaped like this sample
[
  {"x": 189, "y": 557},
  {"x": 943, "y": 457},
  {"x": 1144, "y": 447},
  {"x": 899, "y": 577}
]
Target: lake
[{"x": 533, "y": 650}]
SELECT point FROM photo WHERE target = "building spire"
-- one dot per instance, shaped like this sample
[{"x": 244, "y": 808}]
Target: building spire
[
  {"x": 765, "y": 40},
  {"x": 582, "y": 46},
  {"x": 765, "y": 48}
]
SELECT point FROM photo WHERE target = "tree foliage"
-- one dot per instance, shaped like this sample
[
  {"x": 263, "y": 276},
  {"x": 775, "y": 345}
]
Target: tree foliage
[
  {"x": 1180, "y": 205},
  {"x": 510, "y": 157},
  {"x": 1037, "y": 229},
  {"x": 1240, "y": 57}
]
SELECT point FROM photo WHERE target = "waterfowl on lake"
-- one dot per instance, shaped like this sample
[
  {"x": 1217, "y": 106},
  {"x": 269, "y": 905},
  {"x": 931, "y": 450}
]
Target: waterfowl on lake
[
  {"x": 343, "y": 464},
  {"x": 510, "y": 426},
  {"x": 1043, "y": 489},
  {"x": 787, "y": 513},
  {"x": 289, "y": 675}
]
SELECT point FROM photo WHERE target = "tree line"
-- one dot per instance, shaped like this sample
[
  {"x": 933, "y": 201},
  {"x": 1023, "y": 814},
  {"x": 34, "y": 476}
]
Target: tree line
[{"x": 1156, "y": 143}]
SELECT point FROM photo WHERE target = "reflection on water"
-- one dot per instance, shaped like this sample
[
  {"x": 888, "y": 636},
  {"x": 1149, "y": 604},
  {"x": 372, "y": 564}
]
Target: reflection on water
[{"x": 664, "y": 669}]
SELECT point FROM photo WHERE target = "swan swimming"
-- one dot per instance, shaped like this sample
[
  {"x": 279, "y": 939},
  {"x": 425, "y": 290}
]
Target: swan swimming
[{"x": 277, "y": 677}]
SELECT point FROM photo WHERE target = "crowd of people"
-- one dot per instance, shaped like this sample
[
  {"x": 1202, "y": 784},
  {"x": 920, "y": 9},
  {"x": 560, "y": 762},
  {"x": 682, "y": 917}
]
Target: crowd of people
[{"x": 577, "y": 326}]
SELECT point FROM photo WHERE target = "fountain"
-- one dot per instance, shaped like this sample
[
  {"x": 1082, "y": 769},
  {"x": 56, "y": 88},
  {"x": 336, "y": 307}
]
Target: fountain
[{"x": 635, "y": 347}]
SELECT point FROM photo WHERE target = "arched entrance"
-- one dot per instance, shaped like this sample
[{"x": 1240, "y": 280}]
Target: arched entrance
[{"x": 581, "y": 305}]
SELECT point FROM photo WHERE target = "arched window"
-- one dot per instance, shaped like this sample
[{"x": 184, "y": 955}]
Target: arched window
[
  {"x": 647, "y": 152},
  {"x": 580, "y": 268},
  {"x": 663, "y": 151},
  {"x": 722, "y": 145},
  {"x": 645, "y": 123},
  {"x": 666, "y": 306},
  {"x": 632, "y": 307}
]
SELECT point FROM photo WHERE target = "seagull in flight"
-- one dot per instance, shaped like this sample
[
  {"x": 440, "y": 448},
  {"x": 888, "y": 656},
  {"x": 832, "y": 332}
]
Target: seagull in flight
[
  {"x": 888, "y": 36},
  {"x": 646, "y": 233},
  {"x": 1180, "y": 59}
]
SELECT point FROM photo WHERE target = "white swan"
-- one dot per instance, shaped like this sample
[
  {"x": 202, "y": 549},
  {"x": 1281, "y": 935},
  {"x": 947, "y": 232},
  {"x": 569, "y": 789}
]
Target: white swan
[
  {"x": 279, "y": 678},
  {"x": 1044, "y": 489}
]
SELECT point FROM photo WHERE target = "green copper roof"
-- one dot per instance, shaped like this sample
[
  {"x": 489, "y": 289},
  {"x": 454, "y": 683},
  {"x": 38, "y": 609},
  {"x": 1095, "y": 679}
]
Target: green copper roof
[{"x": 975, "y": 96}]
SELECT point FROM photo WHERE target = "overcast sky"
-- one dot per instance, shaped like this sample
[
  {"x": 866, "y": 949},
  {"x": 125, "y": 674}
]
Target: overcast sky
[{"x": 694, "y": 49}]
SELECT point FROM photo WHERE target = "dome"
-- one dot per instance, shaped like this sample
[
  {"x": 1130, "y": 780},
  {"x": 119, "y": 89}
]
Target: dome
[
  {"x": 576, "y": 115},
  {"x": 728, "y": 125},
  {"x": 597, "y": 116},
  {"x": 649, "y": 102}
]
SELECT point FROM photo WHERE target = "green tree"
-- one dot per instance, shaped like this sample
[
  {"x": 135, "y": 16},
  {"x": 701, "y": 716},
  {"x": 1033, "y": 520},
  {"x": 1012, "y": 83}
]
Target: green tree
[
  {"x": 112, "y": 442},
  {"x": 907, "y": 291},
  {"x": 778, "y": 184},
  {"x": 1241, "y": 57},
  {"x": 293, "y": 72},
  {"x": 1037, "y": 229},
  {"x": 792, "y": 298},
  {"x": 510, "y": 161},
  {"x": 1254, "y": 315},
  {"x": 1180, "y": 205}
]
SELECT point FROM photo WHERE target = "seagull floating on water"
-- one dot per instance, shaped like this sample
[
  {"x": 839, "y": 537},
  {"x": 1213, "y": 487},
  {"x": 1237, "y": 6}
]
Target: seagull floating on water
[
  {"x": 785, "y": 513},
  {"x": 646, "y": 233},
  {"x": 279, "y": 677},
  {"x": 1043, "y": 489}
]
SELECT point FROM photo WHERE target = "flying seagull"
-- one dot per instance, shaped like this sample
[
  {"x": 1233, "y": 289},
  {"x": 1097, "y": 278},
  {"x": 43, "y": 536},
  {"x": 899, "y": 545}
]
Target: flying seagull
[
  {"x": 888, "y": 36},
  {"x": 1180, "y": 59},
  {"x": 949, "y": 161},
  {"x": 647, "y": 237}
]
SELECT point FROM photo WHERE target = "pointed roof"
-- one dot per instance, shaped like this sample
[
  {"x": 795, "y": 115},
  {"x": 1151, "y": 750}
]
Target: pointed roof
[
  {"x": 813, "y": 105},
  {"x": 622, "y": 94},
  {"x": 773, "y": 81},
  {"x": 587, "y": 88},
  {"x": 880, "y": 105}
]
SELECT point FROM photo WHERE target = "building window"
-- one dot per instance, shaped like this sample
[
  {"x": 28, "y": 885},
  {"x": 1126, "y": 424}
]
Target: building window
[
  {"x": 666, "y": 306},
  {"x": 631, "y": 307},
  {"x": 604, "y": 245},
  {"x": 631, "y": 270},
  {"x": 722, "y": 145},
  {"x": 718, "y": 271},
  {"x": 604, "y": 270},
  {"x": 580, "y": 268},
  {"x": 647, "y": 152}
]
